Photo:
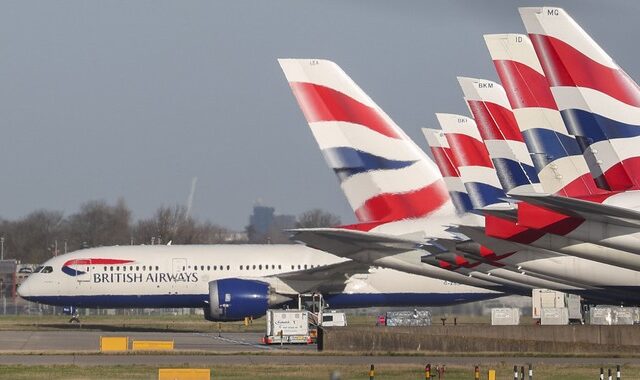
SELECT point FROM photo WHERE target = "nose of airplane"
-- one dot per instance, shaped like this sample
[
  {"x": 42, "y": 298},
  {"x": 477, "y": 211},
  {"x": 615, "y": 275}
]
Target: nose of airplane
[{"x": 24, "y": 289}]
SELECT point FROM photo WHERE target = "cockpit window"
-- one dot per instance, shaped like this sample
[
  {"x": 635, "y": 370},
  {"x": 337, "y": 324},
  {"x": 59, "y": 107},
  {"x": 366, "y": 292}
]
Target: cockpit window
[
  {"x": 38, "y": 269},
  {"x": 47, "y": 269}
]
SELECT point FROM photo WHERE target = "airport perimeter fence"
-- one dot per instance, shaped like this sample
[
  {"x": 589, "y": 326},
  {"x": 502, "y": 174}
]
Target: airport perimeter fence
[{"x": 16, "y": 306}]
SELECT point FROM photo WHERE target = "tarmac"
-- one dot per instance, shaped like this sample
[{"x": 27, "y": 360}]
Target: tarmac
[
  {"x": 81, "y": 347},
  {"x": 83, "y": 341}
]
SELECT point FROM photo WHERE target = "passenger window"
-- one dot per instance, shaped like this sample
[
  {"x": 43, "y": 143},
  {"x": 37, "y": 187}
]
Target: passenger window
[
  {"x": 215, "y": 267},
  {"x": 201, "y": 267},
  {"x": 111, "y": 269},
  {"x": 254, "y": 267},
  {"x": 144, "y": 267},
  {"x": 293, "y": 267},
  {"x": 299, "y": 266},
  {"x": 279, "y": 266},
  {"x": 183, "y": 268},
  {"x": 137, "y": 268},
  {"x": 157, "y": 267},
  {"x": 105, "y": 269},
  {"x": 124, "y": 269},
  {"x": 260, "y": 266},
  {"x": 305, "y": 266},
  {"x": 131, "y": 268},
  {"x": 208, "y": 267},
  {"x": 117, "y": 269},
  {"x": 240, "y": 267},
  {"x": 228, "y": 267}
]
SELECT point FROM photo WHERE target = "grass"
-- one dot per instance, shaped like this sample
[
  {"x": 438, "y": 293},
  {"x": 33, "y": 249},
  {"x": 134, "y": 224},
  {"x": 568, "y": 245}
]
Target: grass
[
  {"x": 178, "y": 323},
  {"x": 273, "y": 372}
]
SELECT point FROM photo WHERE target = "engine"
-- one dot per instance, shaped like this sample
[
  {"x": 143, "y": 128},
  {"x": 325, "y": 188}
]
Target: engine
[{"x": 233, "y": 299}]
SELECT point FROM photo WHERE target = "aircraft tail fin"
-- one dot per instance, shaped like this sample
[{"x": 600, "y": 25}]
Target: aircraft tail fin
[
  {"x": 472, "y": 160},
  {"x": 598, "y": 101},
  {"x": 444, "y": 160},
  {"x": 383, "y": 173},
  {"x": 497, "y": 125},
  {"x": 561, "y": 167}
]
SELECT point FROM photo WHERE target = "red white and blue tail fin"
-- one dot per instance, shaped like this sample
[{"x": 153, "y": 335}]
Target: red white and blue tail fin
[
  {"x": 559, "y": 161},
  {"x": 444, "y": 159},
  {"x": 599, "y": 102},
  {"x": 472, "y": 160},
  {"x": 385, "y": 176},
  {"x": 497, "y": 125}
]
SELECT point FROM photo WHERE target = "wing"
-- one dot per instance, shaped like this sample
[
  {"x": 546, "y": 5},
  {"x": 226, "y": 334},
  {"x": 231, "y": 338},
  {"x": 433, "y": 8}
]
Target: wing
[{"x": 347, "y": 243}]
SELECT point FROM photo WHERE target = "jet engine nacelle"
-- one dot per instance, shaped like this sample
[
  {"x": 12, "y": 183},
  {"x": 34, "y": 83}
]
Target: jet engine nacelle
[{"x": 233, "y": 299}]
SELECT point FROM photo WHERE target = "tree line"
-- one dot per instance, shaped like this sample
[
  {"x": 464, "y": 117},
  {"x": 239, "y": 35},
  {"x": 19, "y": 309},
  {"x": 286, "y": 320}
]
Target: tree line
[{"x": 45, "y": 233}]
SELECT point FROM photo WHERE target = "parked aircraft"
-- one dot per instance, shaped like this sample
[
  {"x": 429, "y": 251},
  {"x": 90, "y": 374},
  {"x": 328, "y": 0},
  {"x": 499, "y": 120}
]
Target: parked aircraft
[{"x": 229, "y": 282}]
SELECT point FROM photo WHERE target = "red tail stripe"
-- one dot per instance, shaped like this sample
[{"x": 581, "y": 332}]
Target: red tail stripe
[
  {"x": 566, "y": 66},
  {"x": 619, "y": 175},
  {"x": 494, "y": 121},
  {"x": 532, "y": 216},
  {"x": 319, "y": 103},
  {"x": 508, "y": 230},
  {"x": 581, "y": 186},
  {"x": 393, "y": 207},
  {"x": 461, "y": 261},
  {"x": 525, "y": 86},
  {"x": 442, "y": 158},
  {"x": 468, "y": 151}
]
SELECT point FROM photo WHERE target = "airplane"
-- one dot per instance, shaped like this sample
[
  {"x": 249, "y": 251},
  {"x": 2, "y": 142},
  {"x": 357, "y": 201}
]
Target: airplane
[{"x": 230, "y": 282}]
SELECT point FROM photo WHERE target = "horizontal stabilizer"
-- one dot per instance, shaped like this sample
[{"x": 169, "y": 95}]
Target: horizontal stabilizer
[{"x": 585, "y": 209}]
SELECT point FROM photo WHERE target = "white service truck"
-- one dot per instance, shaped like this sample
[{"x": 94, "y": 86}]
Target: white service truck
[{"x": 287, "y": 326}]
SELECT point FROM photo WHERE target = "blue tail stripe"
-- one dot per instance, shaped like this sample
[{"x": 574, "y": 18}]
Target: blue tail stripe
[
  {"x": 547, "y": 146},
  {"x": 347, "y": 161},
  {"x": 513, "y": 174},
  {"x": 461, "y": 201},
  {"x": 596, "y": 128},
  {"x": 482, "y": 194}
]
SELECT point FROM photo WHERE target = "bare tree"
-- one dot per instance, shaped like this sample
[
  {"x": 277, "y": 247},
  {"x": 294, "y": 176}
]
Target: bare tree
[
  {"x": 98, "y": 224},
  {"x": 32, "y": 239},
  {"x": 171, "y": 224},
  {"x": 317, "y": 218}
]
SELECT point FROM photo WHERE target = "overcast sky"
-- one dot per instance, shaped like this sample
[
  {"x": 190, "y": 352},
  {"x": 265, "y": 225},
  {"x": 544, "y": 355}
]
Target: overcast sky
[{"x": 132, "y": 99}]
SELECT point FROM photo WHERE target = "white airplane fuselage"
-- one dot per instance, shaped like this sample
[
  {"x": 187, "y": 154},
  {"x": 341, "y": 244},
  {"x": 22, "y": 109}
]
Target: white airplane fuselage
[{"x": 179, "y": 276}]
